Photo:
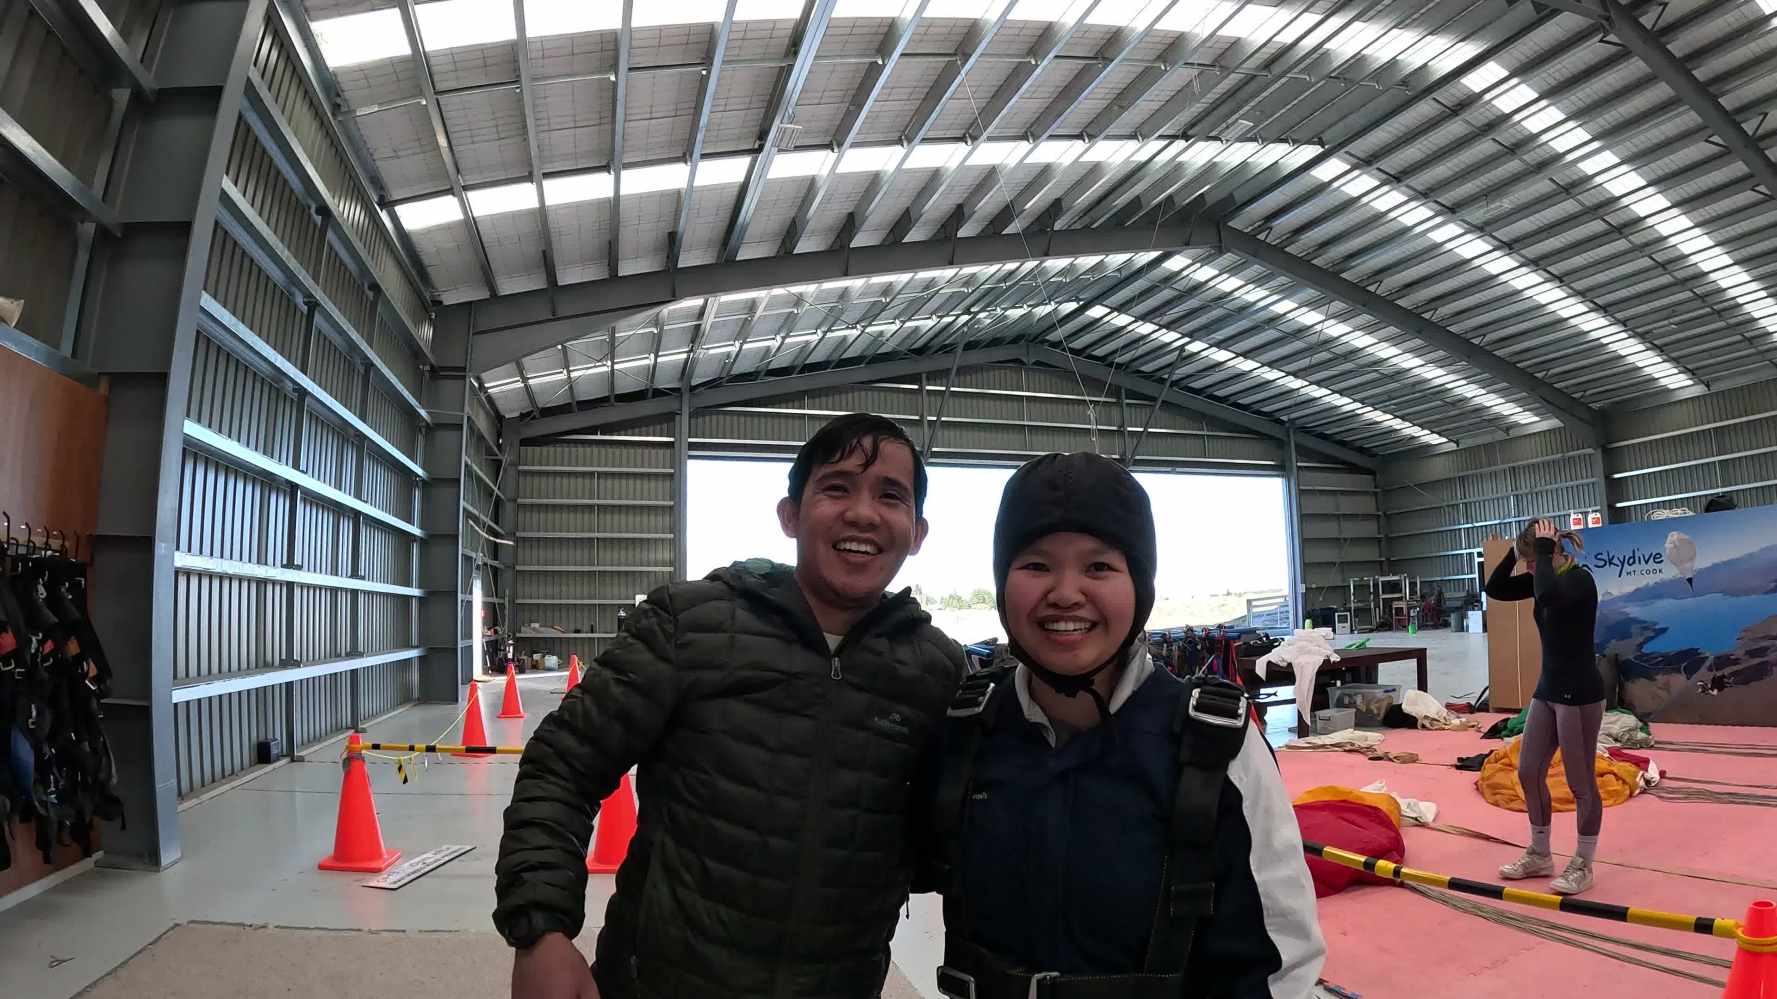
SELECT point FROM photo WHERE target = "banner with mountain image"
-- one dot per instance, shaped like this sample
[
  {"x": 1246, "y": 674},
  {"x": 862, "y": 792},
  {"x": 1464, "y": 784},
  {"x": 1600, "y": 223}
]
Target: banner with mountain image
[{"x": 1688, "y": 609}]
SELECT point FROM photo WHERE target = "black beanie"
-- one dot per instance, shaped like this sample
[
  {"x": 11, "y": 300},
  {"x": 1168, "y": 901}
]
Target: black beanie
[{"x": 1081, "y": 493}]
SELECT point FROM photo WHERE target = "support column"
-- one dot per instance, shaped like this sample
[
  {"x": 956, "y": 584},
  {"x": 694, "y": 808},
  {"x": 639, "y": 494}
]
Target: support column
[
  {"x": 509, "y": 458},
  {"x": 1601, "y": 472},
  {"x": 446, "y": 572},
  {"x": 682, "y": 488},
  {"x": 1292, "y": 486},
  {"x": 142, "y": 332}
]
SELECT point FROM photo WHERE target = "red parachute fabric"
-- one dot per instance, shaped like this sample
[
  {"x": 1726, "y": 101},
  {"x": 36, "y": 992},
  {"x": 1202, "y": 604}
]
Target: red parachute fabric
[{"x": 1351, "y": 826}]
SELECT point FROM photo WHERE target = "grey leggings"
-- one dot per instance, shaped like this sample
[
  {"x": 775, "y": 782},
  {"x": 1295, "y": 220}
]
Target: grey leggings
[{"x": 1575, "y": 726}]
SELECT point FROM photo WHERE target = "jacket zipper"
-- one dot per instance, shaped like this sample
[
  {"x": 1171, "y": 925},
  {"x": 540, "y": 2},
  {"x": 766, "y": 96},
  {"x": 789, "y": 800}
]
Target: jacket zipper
[{"x": 837, "y": 675}]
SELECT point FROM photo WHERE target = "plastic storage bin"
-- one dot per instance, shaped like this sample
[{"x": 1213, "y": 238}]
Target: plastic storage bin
[
  {"x": 1369, "y": 700},
  {"x": 1330, "y": 720}
]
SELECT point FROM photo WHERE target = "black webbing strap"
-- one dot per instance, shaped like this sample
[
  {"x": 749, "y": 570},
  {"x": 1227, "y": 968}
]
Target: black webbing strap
[
  {"x": 1210, "y": 725},
  {"x": 970, "y": 717}
]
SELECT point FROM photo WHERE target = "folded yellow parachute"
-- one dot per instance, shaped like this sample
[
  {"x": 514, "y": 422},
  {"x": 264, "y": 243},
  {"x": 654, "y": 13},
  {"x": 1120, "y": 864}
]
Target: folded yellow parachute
[{"x": 1498, "y": 783}]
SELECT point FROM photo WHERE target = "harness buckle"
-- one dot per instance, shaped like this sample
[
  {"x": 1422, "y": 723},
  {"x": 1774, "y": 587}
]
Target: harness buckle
[
  {"x": 971, "y": 699},
  {"x": 1214, "y": 716},
  {"x": 957, "y": 984},
  {"x": 1037, "y": 980}
]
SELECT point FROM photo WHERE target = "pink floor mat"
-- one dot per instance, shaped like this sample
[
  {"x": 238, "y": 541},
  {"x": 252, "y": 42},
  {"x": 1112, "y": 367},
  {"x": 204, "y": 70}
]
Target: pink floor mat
[{"x": 1388, "y": 943}]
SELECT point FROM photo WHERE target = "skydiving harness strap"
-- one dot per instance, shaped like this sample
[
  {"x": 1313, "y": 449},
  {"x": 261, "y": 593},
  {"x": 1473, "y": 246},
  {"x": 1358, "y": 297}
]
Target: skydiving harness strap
[{"x": 1210, "y": 727}]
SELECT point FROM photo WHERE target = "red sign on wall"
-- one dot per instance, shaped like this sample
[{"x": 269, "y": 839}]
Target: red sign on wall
[
  {"x": 1594, "y": 519},
  {"x": 1576, "y": 520}
]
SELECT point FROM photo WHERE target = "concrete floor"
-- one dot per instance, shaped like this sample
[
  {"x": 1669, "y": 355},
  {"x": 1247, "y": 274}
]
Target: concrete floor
[{"x": 250, "y": 851}]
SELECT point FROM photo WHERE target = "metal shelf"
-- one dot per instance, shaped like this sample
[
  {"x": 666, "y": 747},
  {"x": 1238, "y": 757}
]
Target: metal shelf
[
  {"x": 204, "y": 439},
  {"x": 594, "y": 568},
  {"x": 187, "y": 562}
]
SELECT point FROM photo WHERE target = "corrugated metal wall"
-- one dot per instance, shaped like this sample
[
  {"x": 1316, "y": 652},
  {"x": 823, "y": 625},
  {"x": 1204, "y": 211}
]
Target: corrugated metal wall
[
  {"x": 295, "y": 597},
  {"x": 1440, "y": 508},
  {"x": 1341, "y": 532},
  {"x": 1682, "y": 453},
  {"x": 595, "y": 528}
]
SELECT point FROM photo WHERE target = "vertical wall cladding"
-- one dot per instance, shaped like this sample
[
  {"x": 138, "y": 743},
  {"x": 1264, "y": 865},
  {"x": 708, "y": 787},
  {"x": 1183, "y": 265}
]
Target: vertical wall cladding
[
  {"x": 269, "y": 569},
  {"x": 1341, "y": 531},
  {"x": 1681, "y": 454},
  {"x": 279, "y": 73},
  {"x": 1440, "y": 508},
  {"x": 36, "y": 259},
  {"x": 595, "y": 528}
]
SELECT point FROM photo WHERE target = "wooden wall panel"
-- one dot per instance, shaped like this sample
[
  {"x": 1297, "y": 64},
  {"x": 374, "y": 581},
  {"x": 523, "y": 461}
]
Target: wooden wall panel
[{"x": 52, "y": 431}]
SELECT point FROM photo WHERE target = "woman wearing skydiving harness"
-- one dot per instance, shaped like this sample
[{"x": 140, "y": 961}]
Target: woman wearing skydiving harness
[
  {"x": 1568, "y": 707},
  {"x": 1092, "y": 812}
]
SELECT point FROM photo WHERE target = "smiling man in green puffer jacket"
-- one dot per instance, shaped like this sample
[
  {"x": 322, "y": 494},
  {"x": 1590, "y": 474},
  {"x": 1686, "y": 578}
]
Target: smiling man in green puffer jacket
[{"x": 779, "y": 718}]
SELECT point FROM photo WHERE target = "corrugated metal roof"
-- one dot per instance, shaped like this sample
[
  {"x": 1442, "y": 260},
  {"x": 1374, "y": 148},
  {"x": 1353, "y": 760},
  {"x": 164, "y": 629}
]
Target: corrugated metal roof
[{"x": 1550, "y": 151}]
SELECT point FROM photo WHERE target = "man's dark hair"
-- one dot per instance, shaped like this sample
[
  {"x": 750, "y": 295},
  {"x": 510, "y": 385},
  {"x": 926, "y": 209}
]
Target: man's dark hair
[{"x": 863, "y": 432}]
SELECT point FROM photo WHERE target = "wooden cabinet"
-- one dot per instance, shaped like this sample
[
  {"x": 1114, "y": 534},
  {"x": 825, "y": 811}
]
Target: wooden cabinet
[{"x": 1514, "y": 650}]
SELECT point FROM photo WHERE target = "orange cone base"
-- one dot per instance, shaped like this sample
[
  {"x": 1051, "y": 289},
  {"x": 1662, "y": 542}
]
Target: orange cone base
[
  {"x": 376, "y": 866},
  {"x": 1754, "y": 974}
]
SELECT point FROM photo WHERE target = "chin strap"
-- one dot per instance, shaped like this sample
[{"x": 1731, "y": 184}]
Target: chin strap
[{"x": 1078, "y": 683}]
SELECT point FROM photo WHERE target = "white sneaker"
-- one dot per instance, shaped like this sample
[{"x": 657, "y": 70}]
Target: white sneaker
[
  {"x": 1531, "y": 865},
  {"x": 1577, "y": 878}
]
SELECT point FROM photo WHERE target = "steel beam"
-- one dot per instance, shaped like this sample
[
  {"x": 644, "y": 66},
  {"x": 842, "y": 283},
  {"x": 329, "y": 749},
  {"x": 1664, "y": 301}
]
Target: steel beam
[
  {"x": 527, "y": 94},
  {"x": 783, "y": 107},
  {"x": 1207, "y": 407},
  {"x": 734, "y": 393},
  {"x": 706, "y": 102},
  {"x": 88, "y": 35},
  {"x": 1049, "y": 45},
  {"x": 876, "y": 76},
  {"x": 423, "y": 70},
  {"x": 619, "y": 101},
  {"x": 27, "y": 164},
  {"x": 973, "y": 48},
  {"x": 1672, "y": 71}
]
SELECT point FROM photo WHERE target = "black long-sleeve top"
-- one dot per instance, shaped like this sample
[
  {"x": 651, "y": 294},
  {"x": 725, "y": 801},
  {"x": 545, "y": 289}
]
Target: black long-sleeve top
[{"x": 1566, "y": 612}]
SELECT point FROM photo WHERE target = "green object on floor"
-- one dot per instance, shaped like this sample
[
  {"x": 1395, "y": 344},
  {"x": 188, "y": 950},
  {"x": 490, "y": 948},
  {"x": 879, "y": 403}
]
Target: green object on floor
[
  {"x": 1362, "y": 643},
  {"x": 1516, "y": 725}
]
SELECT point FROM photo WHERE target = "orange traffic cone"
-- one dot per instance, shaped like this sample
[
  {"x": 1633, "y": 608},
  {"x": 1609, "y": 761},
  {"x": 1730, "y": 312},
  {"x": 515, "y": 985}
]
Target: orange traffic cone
[
  {"x": 573, "y": 672},
  {"x": 357, "y": 839},
  {"x": 616, "y": 827},
  {"x": 510, "y": 705},
  {"x": 474, "y": 730},
  {"x": 1754, "y": 975}
]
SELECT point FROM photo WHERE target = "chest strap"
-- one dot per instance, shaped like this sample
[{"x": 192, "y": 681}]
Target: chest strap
[{"x": 988, "y": 978}]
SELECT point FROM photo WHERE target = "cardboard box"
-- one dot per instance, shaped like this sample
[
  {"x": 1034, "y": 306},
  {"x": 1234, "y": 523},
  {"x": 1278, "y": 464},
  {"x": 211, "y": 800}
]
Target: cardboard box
[{"x": 1514, "y": 649}]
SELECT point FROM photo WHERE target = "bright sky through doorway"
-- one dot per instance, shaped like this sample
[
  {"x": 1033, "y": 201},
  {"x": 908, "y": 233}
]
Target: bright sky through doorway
[{"x": 1217, "y": 533}]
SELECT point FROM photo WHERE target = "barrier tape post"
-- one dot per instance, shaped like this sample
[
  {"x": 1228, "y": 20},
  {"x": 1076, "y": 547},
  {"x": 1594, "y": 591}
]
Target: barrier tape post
[{"x": 1711, "y": 926}]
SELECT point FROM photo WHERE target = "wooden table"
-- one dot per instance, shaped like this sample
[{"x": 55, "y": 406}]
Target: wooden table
[{"x": 1363, "y": 662}]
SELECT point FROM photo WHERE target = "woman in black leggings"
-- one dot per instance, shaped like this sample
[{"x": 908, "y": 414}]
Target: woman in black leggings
[{"x": 1569, "y": 704}]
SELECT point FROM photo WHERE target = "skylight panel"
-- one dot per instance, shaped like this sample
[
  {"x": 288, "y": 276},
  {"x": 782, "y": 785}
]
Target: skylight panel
[
  {"x": 451, "y": 24},
  {"x": 716, "y": 170},
  {"x": 1056, "y": 151},
  {"x": 869, "y": 159},
  {"x": 361, "y": 38},
  {"x": 962, "y": 8},
  {"x": 994, "y": 153},
  {"x": 662, "y": 177},
  {"x": 577, "y": 187},
  {"x": 934, "y": 155},
  {"x": 429, "y": 213},
  {"x": 543, "y": 18},
  {"x": 800, "y": 163},
  {"x": 506, "y": 198}
]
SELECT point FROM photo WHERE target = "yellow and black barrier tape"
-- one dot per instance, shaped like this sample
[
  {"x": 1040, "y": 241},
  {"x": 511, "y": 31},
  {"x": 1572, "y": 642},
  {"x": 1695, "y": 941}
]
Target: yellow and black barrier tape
[
  {"x": 1709, "y": 926},
  {"x": 439, "y": 747}
]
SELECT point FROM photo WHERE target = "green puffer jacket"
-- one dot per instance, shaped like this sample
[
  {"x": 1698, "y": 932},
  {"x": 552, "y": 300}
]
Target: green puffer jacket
[{"x": 772, "y": 851}]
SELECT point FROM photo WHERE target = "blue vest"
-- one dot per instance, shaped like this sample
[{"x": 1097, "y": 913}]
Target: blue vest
[{"x": 1062, "y": 849}]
